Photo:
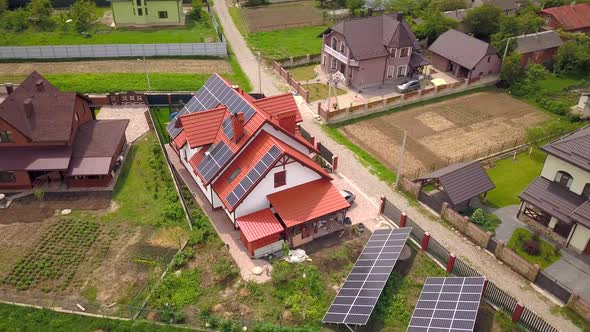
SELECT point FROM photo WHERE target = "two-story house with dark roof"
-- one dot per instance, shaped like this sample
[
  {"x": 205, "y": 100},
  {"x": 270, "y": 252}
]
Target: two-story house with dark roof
[
  {"x": 373, "y": 50},
  {"x": 558, "y": 201},
  {"x": 48, "y": 137}
]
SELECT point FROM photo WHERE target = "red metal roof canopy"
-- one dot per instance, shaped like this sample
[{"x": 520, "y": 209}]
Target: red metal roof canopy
[
  {"x": 307, "y": 201},
  {"x": 259, "y": 225}
]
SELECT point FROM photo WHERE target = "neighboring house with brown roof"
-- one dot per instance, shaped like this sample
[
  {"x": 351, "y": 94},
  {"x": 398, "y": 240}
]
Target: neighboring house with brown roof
[
  {"x": 50, "y": 137},
  {"x": 464, "y": 56},
  {"x": 572, "y": 18},
  {"x": 558, "y": 201},
  {"x": 539, "y": 47},
  {"x": 249, "y": 159},
  {"x": 507, "y": 6},
  {"x": 372, "y": 50}
]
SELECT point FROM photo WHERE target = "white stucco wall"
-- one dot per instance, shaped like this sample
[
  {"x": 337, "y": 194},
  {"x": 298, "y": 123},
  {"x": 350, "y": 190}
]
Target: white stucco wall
[
  {"x": 296, "y": 174},
  {"x": 206, "y": 191},
  {"x": 580, "y": 237},
  {"x": 554, "y": 165},
  {"x": 283, "y": 137}
]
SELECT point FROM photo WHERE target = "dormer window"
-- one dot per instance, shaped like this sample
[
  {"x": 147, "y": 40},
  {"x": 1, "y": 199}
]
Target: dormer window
[
  {"x": 564, "y": 179},
  {"x": 6, "y": 136},
  {"x": 392, "y": 52},
  {"x": 404, "y": 52},
  {"x": 334, "y": 43}
]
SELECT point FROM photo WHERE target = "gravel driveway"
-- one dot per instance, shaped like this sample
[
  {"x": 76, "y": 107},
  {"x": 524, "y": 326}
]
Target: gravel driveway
[{"x": 135, "y": 114}]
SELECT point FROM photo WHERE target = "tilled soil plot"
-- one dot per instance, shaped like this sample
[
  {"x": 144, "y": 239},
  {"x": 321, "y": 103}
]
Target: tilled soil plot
[
  {"x": 449, "y": 131},
  {"x": 282, "y": 16}
]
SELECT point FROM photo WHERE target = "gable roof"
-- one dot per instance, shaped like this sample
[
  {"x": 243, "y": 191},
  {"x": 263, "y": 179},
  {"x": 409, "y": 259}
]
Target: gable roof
[
  {"x": 571, "y": 17},
  {"x": 260, "y": 224},
  {"x": 461, "y": 48},
  {"x": 371, "y": 37},
  {"x": 279, "y": 104},
  {"x": 538, "y": 41},
  {"x": 462, "y": 181},
  {"x": 573, "y": 148},
  {"x": 200, "y": 128},
  {"x": 53, "y": 111}
]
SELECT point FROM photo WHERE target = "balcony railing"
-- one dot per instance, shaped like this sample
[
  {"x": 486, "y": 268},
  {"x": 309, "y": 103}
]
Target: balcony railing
[{"x": 341, "y": 57}]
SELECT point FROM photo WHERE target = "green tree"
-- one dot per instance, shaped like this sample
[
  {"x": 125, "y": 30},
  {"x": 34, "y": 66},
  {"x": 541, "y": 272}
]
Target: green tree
[
  {"x": 483, "y": 21},
  {"x": 197, "y": 10},
  {"x": 511, "y": 70},
  {"x": 515, "y": 25},
  {"x": 83, "y": 14},
  {"x": 15, "y": 20},
  {"x": 447, "y": 5},
  {"x": 407, "y": 7},
  {"x": 574, "y": 54},
  {"x": 3, "y": 5},
  {"x": 40, "y": 12},
  {"x": 354, "y": 5},
  {"x": 433, "y": 24}
]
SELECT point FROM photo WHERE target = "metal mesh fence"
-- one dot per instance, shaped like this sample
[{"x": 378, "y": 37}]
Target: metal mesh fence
[
  {"x": 438, "y": 251},
  {"x": 499, "y": 298},
  {"x": 532, "y": 322}
]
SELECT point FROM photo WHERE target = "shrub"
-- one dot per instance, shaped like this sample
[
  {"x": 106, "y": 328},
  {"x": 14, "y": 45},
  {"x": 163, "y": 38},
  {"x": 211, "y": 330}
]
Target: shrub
[
  {"x": 225, "y": 269},
  {"x": 83, "y": 13},
  {"x": 15, "y": 20},
  {"x": 531, "y": 247},
  {"x": 39, "y": 194},
  {"x": 486, "y": 221},
  {"x": 197, "y": 10}
]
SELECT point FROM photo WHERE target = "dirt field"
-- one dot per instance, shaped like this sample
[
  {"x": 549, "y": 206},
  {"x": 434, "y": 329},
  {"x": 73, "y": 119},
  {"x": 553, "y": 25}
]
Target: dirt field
[
  {"x": 282, "y": 16},
  {"x": 118, "y": 66},
  {"x": 457, "y": 129}
]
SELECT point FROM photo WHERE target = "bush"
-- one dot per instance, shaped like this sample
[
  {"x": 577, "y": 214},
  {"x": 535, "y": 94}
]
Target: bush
[
  {"x": 225, "y": 269},
  {"x": 531, "y": 247},
  {"x": 197, "y": 10},
  {"x": 486, "y": 221},
  {"x": 15, "y": 20},
  {"x": 83, "y": 13}
]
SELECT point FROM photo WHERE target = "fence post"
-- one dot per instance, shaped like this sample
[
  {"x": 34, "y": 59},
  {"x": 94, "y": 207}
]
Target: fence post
[
  {"x": 517, "y": 312},
  {"x": 312, "y": 140},
  {"x": 425, "y": 240},
  {"x": 319, "y": 146},
  {"x": 382, "y": 205},
  {"x": 499, "y": 249},
  {"x": 402, "y": 219},
  {"x": 334, "y": 163},
  {"x": 451, "y": 263}
]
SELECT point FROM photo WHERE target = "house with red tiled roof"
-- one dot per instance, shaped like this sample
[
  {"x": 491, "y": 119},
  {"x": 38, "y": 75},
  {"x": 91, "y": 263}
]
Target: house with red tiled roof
[
  {"x": 49, "y": 139},
  {"x": 572, "y": 18},
  {"x": 249, "y": 159}
]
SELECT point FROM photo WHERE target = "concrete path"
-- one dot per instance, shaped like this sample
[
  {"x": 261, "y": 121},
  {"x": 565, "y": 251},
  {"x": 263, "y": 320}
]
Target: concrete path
[
  {"x": 134, "y": 113},
  {"x": 509, "y": 221},
  {"x": 352, "y": 171},
  {"x": 573, "y": 273}
]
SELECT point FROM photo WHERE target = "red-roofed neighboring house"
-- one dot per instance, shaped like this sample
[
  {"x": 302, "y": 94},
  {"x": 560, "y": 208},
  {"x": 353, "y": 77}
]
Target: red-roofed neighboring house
[
  {"x": 48, "y": 137},
  {"x": 241, "y": 151},
  {"x": 572, "y": 18}
]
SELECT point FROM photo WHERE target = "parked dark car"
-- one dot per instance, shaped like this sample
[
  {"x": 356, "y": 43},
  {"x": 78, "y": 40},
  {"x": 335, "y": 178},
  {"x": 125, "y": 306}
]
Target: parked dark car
[
  {"x": 411, "y": 85},
  {"x": 348, "y": 196}
]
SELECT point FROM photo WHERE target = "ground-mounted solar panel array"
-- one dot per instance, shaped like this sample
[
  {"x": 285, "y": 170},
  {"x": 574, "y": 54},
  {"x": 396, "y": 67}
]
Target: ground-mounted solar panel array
[
  {"x": 259, "y": 169},
  {"x": 447, "y": 304},
  {"x": 214, "y": 159},
  {"x": 357, "y": 298},
  {"x": 213, "y": 93}
]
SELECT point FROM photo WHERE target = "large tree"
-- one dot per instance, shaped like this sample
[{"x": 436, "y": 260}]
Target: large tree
[
  {"x": 83, "y": 13},
  {"x": 511, "y": 70},
  {"x": 433, "y": 24},
  {"x": 515, "y": 25},
  {"x": 447, "y": 5},
  {"x": 483, "y": 21},
  {"x": 40, "y": 11}
]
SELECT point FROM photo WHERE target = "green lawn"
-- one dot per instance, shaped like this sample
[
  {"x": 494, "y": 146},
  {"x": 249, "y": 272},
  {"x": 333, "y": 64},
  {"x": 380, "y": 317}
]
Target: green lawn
[
  {"x": 281, "y": 44},
  {"x": 511, "y": 177},
  {"x": 161, "y": 117},
  {"x": 547, "y": 253},
  {"x": 202, "y": 31},
  {"x": 303, "y": 73},
  {"x": 554, "y": 83},
  {"x": 318, "y": 91}
]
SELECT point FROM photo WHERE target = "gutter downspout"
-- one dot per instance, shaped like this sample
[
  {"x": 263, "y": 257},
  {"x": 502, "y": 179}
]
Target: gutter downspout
[{"x": 571, "y": 235}]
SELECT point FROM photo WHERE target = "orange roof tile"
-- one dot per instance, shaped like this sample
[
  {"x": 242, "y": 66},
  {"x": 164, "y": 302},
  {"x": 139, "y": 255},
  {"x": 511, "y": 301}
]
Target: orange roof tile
[
  {"x": 180, "y": 140},
  {"x": 571, "y": 17},
  {"x": 258, "y": 225},
  {"x": 307, "y": 201},
  {"x": 201, "y": 128},
  {"x": 278, "y": 104}
]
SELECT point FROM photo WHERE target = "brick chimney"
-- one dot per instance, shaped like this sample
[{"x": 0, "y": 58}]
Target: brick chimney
[
  {"x": 28, "y": 105},
  {"x": 39, "y": 85},
  {"x": 237, "y": 123},
  {"x": 9, "y": 88},
  {"x": 287, "y": 120},
  {"x": 399, "y": 16}
]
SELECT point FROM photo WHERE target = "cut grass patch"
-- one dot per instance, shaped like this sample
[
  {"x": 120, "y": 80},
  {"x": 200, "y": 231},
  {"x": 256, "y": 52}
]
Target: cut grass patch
[
  {"x": 161, "y": 117},
  {"x": 375, "y": 166},
  {"x": 281, "y": 44},
  {"x": 547, "y": 253},
  {"x": 318, "y": 91},
  {"x": 511, "y": 177},
  {"x": 303, "y": 73}
]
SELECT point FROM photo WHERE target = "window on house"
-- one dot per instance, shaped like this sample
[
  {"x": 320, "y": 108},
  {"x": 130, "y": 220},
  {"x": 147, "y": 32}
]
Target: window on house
[
  {"x": 280, "y": 178},
  {"x": 401, "y": 71},
  {"x": 139, "y": 12},
  {"x": 323, "y": 60},
  {"x": 333, "y": 63},
  {"x": 564, "y": 178},
  {"x": 6, "y": 136},
  {"x": 233, "y": 175},
  {"x": 489, "y": 58},
  {"x": 392, "y": 52},
  {"x": 334, "y": 42},
  {"x": 342, "y": 47},
  {"x": 586, "y": 191},
  {"x": 390, "y": 71},
  {"x": 163, "y": 14},
  {"x": 138, "y": 2},
  {"x": 404, "y": 52},
  {"x": 7, "y": 177}
]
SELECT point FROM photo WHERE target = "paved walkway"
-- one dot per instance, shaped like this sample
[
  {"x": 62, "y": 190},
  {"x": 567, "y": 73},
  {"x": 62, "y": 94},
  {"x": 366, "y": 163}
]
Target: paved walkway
[
  {"x": 509, "y": 221},
  {"x": 358, "y": 176},
  {"x": 134, "y": 113}
]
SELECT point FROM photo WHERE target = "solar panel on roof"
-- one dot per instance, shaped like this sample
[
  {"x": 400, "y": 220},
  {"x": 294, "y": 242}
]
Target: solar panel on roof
[
  {"x": 356, "y": 300},
  {"x": 260, "y": 168},
  {"x": 447, "y": 304},
  {"x": 215, "y": 158}
]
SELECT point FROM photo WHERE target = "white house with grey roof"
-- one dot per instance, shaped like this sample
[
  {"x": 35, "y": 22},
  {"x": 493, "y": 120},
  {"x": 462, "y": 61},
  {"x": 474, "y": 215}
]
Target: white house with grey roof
[{"x": 558, "y": 201}]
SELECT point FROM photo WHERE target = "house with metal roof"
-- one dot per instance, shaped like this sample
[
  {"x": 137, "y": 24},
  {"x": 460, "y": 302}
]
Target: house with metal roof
[
  {"x": 573, "y": 18},
  {"x": 558, "y": 201},
  {"x": 50, "y": 139},
  {"x": 464, "y": 56},
  {"x": 147, "y": 13},
  {"x": 249, "y": 159},
  {"x": 373, "y": 50},
  {"x": 539, "y": 47}
]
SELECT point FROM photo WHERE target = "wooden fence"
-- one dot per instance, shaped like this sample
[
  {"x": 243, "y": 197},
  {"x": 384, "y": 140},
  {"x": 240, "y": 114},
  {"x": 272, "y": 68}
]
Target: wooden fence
[{"x": 282, "y": 72}]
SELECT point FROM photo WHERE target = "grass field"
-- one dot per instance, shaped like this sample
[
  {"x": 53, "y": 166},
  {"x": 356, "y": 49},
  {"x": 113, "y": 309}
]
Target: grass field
[
  {"x": 511, "y": 177},
  {"x": 547, "y": 253},
  {"x": 303, "y": 73},
  {"x": 282, "y": 44},
  {"x": 162, "y": 116},
  {"x": 318, "y": 91}
]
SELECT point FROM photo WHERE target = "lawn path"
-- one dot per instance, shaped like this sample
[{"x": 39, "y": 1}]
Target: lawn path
[
  {"x": 118, "y": 66},
  {"x": 360, "y": 177}
]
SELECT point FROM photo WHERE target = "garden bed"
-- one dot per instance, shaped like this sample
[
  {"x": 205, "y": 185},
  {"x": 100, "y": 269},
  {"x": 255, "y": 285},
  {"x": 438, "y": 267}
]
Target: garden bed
[{"x": 547, "y": 254}]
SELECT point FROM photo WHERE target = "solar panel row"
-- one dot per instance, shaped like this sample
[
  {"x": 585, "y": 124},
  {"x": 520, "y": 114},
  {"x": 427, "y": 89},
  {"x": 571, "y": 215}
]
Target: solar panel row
[
  {"x": 215, "y": 158},
  {"x": 361, "y": 290},
  {"x": 260, "y": 168},
  {"x": 447, "y": 304}
]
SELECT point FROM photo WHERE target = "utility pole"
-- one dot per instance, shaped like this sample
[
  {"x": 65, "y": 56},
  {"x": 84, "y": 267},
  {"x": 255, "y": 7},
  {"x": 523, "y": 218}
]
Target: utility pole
[
  {"x": 259, "y": 73},
  {"x": 506, "y": 48},
  {"x": 147, "y": 75},
  {"x": 401, "y": 160}
]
